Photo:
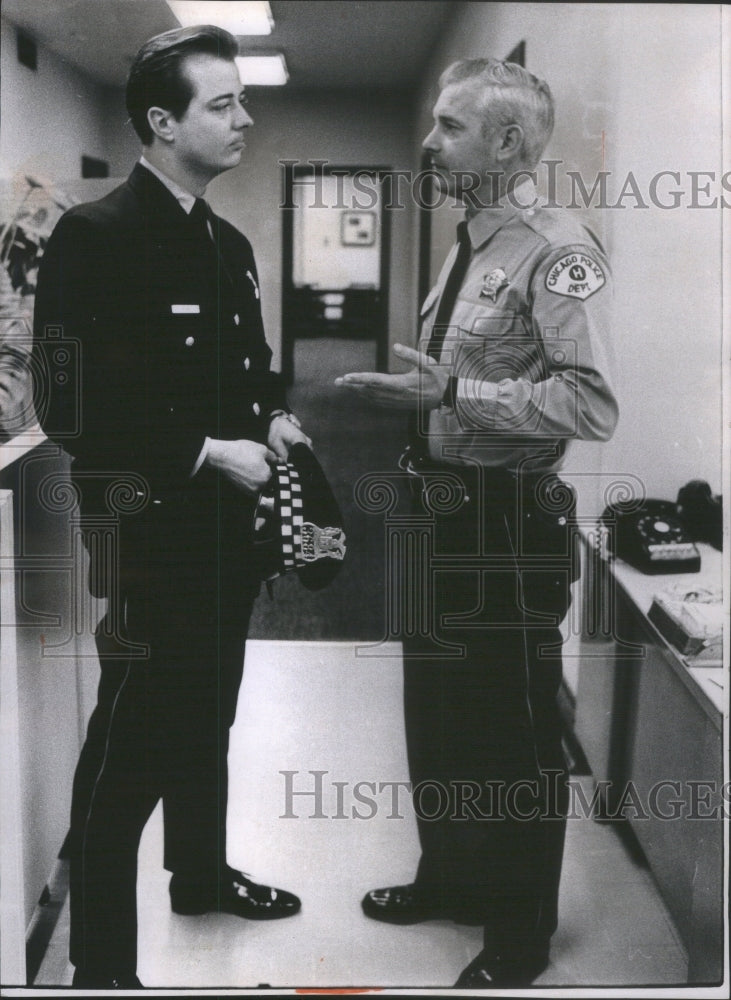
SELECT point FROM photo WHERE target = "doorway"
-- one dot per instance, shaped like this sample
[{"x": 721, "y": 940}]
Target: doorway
[{"x": 335, "y": 258}]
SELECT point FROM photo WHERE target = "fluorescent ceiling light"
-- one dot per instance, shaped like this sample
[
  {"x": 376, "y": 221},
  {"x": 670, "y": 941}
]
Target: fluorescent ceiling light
[
  {"x": 240, "y": 17},
  {"x": 263, "y": 71}
]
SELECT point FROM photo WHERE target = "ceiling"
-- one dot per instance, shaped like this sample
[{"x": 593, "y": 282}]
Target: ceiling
[{"x": 340, "y": 44}]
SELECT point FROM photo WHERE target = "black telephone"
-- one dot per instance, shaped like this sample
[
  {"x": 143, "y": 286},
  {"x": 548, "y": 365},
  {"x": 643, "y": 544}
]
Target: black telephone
[
  {"x": 702, "y": 512},
  {"x": 652, "y": 538}
]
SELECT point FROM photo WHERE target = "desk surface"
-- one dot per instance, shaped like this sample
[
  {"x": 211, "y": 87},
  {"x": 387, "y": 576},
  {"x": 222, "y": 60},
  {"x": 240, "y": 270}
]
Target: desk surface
[{"x": 641, "y": 588}]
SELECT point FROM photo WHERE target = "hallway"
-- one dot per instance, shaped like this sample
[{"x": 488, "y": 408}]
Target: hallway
[
  {"x": 629, "y": 126},
  {"x": 320, "y": 695}
]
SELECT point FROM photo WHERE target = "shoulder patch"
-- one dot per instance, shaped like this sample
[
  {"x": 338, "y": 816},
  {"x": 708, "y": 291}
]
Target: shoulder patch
[{"x": 576, "y": 275}]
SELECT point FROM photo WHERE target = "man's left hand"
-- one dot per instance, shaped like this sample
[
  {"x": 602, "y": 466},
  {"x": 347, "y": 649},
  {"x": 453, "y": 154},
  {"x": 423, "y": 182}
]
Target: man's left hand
[
  {"x": 285, "y": 431},
  {"x": 421, "y": 387}
]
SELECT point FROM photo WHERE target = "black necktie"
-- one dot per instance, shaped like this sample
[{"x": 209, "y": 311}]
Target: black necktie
[
  {"x": 198, "y": 219},
  {"x": 416, "y": 422},
  {"x": 451, "y": 289},
  {"x": 201, "y": 237}
]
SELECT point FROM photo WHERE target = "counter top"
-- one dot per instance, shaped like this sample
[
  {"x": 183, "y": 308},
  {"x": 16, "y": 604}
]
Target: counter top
[{"x": 711, "y": 680}]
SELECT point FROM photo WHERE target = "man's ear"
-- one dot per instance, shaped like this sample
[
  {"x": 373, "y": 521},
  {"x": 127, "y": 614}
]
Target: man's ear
[
  {"x": 160, "y": 121},
  {"x": 511, "y": 142}
]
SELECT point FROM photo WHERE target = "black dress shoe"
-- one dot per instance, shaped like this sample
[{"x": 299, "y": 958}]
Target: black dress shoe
[
  {"x": 409, "y": 904},
  {"x": 235, "y": 894},
  {"x": 491, "y": 970},
  {"x": 88, "y": 980}
]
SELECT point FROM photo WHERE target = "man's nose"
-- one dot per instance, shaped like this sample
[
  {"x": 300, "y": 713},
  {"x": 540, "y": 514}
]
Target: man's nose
[
  {"x": 430, "y": 143},
  {"x": 244, "y": 119}
]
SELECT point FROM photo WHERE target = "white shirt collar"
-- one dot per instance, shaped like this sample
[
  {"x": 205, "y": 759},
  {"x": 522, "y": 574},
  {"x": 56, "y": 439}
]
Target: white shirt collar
[
  {"x": 21, "y": 444},
  {"x": 186, "y": 199}
]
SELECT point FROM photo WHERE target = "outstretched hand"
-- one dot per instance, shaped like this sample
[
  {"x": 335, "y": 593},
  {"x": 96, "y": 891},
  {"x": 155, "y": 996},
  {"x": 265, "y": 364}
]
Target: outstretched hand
[{"x": 421, "y": 387}]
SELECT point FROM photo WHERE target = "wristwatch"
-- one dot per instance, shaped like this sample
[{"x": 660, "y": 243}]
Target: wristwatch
[{"x": 287, "y": 416}]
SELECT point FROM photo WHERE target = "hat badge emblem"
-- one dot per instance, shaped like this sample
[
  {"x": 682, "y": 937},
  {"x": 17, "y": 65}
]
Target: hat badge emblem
[{"x": 322, "y": 543}]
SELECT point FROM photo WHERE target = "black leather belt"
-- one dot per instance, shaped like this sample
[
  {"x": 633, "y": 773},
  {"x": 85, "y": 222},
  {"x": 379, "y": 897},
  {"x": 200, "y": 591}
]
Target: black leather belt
[
  {"x": 496, "y": 486},
  {"x": 421, "y": 466}
]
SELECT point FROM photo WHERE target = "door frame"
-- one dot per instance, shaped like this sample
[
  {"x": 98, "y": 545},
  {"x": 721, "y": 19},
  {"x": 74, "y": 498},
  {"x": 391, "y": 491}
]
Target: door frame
[{"x": 293, "y": 172}]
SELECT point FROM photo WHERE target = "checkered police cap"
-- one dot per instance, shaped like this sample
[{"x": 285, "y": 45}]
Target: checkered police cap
[{"x": 298, "y": 524}]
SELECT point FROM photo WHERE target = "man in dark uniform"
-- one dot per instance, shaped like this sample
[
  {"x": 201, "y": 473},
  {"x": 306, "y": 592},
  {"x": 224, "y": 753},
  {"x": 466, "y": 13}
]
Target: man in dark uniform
[
  {"x": 173, "y": 420},
  {"x": 513, "y": 365}
]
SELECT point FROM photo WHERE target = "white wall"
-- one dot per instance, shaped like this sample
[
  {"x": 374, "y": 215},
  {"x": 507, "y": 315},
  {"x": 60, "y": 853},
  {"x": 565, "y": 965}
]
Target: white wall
[
  {"x": 347, "y": 129},
  {"x": 637, "y": 88},
  {"x": 321, "y": 260},
  {"x": 667, "y": 263},
  {"x": 53, "y": 114}
]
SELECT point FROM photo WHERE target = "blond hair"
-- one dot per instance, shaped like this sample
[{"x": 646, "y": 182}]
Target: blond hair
[{"x": 512, "y": 96}]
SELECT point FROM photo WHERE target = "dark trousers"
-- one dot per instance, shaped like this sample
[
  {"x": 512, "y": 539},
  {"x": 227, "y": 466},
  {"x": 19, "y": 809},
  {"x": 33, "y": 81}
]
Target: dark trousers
[
  {"x": 160, "y": 729},
  {"x": 483, "y": 726}
]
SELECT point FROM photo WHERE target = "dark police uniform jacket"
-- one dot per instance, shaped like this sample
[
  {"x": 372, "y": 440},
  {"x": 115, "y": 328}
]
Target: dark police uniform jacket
[{"x": 151, "y": 339}]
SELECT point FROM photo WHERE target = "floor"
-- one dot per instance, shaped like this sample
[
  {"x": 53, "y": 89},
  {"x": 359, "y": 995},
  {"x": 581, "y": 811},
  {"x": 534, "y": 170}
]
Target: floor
[{"x": 335, "y": 709}]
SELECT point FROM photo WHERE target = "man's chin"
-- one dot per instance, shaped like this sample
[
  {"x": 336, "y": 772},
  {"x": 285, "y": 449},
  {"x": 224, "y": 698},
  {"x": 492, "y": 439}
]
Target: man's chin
[
  {"x": 445, "y": 182},
  {"x": 231, "y": 159}
]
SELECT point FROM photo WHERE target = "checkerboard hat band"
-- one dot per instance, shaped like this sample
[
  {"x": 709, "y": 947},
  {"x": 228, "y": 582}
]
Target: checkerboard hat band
[{"x": 288, "y": 493}]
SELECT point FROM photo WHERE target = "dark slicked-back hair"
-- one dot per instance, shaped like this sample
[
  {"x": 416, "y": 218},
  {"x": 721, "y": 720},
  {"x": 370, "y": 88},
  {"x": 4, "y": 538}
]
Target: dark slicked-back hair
[{"x": 157, "y": 78}]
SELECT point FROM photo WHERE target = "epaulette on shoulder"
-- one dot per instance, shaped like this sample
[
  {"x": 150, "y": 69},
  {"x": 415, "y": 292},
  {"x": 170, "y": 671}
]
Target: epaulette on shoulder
[{"x": 556, "y": 227}]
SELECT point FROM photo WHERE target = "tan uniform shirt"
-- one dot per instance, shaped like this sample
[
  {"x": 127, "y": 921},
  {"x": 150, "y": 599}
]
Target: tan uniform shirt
[{"x": 528, "y": 341}]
